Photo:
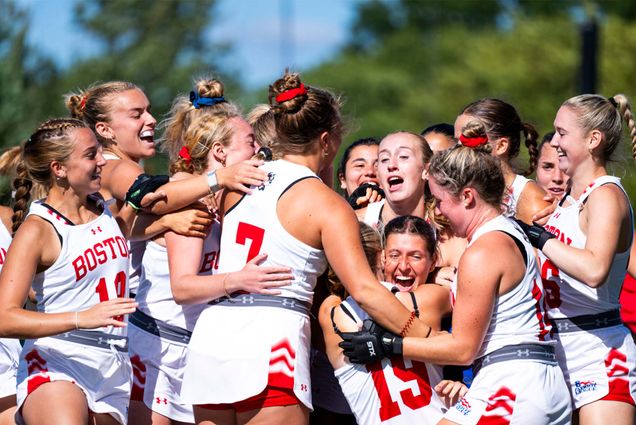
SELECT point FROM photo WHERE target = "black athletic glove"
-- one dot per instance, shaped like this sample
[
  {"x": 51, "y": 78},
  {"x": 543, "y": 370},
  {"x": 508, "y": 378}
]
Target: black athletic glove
[
  {"x": 370, "y": 344},
  {"x": 537, "y": 235},
  {"x": 362, "y": 191},
  {"x": 143, "y": 185}
]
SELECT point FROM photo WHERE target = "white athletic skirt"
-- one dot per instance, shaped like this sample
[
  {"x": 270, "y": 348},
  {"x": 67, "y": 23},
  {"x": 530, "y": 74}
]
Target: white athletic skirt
[
  {"x": 103, "y": 374},
  {"x": 9, "y": 358},
  {"x": 597, "y": 363},
  {"x": 235, "y": 352},
  {"x": 515, "y": 392},
  {"x": 164, "y": 362}
]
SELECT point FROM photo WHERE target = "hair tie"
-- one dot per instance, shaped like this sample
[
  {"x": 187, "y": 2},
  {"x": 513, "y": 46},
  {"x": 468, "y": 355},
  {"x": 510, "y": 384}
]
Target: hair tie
[
  {"x": 184, "y": 154},
  {"x": 83, "y": 102},
  {"x": 473, "y": 142},
  {"x": 291, "y": 94},
  {"x": 613, "y": 102},
  {"x": 198, "y": 101}
]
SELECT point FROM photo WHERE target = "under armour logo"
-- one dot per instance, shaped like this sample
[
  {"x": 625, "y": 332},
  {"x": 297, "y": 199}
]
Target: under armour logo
[
  {"x": 289, "y": 303},
  {"x": 602, "y": 321},
  {"x": 563, "y": 326},
  {"x": 95, "y": 230},
  {"x": 303, "y": 387},
  {"x": 247, "y": 299},
  {"x": 160, "y": 400},
  {"x": 523, "y": 353}
]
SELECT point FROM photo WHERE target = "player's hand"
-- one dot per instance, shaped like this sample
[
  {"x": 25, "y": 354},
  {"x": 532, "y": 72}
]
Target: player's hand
[
  {"x": 106, "y": 313},
  {"x": 541, "y": 217},
  {"x": 450, "y": 391},
  {"x": 241, "y": 176},
  {"x": 194, "y": 221},
  {"x": 257, "y": 279},
  {"x": 364, "y": 195}
]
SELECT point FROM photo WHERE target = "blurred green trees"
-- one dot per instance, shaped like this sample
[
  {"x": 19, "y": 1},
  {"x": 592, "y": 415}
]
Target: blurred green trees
[{"x": 408, "y": 63}]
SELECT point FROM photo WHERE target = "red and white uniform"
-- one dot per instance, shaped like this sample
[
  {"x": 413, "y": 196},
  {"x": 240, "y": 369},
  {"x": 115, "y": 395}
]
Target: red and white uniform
[
  {"x": 91, "y": 267},
  {"x": 158, "y": 363},
  {"x": 395, "y": 391},
  {"x": 9, "y": 347},
  {"x": 598, "y": 363},
  {"x": 515, "y": 391},
  {"x": 248, "y": 349},
  {"x": 513, "y": 193}
]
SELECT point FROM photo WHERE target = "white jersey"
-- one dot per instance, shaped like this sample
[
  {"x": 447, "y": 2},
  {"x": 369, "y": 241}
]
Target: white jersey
[
  {"x": 567, "y": 296},
  {"x": 252, "y": 227},
  {"x": 395, "y": 391},
  {"x": 518, "y": 316},
  {"x": 513, "y": 193},
  {"x": 9, "y": 347},
  {"x": 155, "y": 294},
  {"x": 91, "y": 267},
  {"x": 373, "y": 214}
]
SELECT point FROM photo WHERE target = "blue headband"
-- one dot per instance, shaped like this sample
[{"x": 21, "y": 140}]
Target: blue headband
[{"x": 197, "y": 101}]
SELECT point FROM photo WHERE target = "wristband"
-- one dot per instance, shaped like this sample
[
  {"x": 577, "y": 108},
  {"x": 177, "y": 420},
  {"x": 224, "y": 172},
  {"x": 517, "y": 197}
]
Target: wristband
[{"x": 213, "y": 182}]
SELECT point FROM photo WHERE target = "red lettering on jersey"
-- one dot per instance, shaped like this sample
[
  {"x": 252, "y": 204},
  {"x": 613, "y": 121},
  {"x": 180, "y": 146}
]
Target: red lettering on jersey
[
  {"x": 210, "y": 261},
  {"x": 417, "y": 372},
  {"x": 3, "y": 255},
  {"x": 544, "y": 324},
  {"x": 96, "y": 254},
  {"x": 550, "y": 278}
]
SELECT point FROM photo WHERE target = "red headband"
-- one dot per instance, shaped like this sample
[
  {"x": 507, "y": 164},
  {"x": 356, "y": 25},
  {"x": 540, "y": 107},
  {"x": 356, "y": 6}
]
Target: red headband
[
  {"x": 83, "y": 102},
  {"x": 291, "y": 93},
  {"x": 473, "y": 142},
  {"x": 184, "y": 153}
]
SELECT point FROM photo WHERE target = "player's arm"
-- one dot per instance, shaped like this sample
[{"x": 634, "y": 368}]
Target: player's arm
[
  {"x": 605, "y": 237},
  {"x": 475, "y": 300},
  {"x": 36, "y": 244},
  {"x": 339, "y": 233}
]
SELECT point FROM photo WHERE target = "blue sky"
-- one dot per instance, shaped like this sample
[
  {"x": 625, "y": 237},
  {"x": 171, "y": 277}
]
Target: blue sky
[{"x": 253, "y": 27}]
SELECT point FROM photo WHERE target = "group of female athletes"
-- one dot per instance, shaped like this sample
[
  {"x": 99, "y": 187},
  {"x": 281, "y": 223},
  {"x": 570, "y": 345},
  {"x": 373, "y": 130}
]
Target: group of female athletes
[{"x": 440, "y": 253}]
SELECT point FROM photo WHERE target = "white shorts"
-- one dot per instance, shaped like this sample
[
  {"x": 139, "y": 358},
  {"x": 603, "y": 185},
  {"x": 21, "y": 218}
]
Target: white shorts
[
  {"x": 515, "y": 392},
  {"x": 9, "y": 358},
  {"x": 103, "y": 374},
  {"x": 598, "y": 364},
  {"x": 235, "y": 352},
  {"x": 163, "y": 362}
]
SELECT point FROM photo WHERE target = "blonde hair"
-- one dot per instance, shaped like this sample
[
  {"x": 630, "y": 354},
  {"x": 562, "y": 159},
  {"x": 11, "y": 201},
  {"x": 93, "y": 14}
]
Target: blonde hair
[
  {"x": 594, "y": 112},
  {"x": 261, "y": 118},
  {"x": 52, "y": 141},
  {"x": 94, "y": 104},
  {"x": 197, "y": 129}
]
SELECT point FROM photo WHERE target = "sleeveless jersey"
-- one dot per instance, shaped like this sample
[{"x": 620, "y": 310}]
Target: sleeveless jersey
[
  {"x": 372, "y": 215},
  {"x": 91, "y": 268},
  {"x": 395, "y": 391},
  {"x": 252, "y": 227},
  {"x": 513, "y": 193},
  {"x": 518, "y": 316},
  {"x": 567, "y": 296},
  {"x": 9, "y": 347},
  {"x": 155, "y": 295}
]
